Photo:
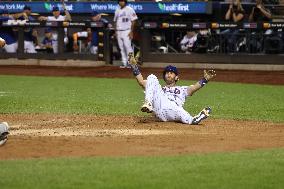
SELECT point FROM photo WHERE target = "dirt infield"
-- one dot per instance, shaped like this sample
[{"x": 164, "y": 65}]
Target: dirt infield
[
  {"x": 45, "y": 135},
  {"x": 259, "y": 77},
  {"x": 50, "y": 135}
]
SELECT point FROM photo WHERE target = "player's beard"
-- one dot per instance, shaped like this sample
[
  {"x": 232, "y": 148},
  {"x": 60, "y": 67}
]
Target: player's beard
[{"x": 170, "y": 81}]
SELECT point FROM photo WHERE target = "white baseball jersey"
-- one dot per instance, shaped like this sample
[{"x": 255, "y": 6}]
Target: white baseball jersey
[
  {"x": 188, "y": 42},
  {"x": 59, "y": 18},
  {"x": 54, "y": 33},
  {"x": 123, "y": 18},
  {"x": 176, "y": 94},
  {"x": 167, "y": 101}
]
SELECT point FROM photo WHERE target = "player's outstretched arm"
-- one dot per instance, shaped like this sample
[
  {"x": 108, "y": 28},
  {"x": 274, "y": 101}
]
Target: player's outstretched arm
[
  {"x": 208, "y": 75},
  {"x": 136, "y": 72},
  {"x": 42, "y": 18},
  {"x": 67, "y": 14}
]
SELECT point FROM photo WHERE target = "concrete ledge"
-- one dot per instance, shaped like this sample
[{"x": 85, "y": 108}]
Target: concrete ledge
[
  {"x": 256, "y": 67},
  {"x": 90, "y": 63},
  {"x": 61, "y": 63}
]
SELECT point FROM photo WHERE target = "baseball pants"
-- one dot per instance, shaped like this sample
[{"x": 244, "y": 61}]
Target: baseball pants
[
  {"x": 29, "y": 47},
  {"x": 163, "y": 108},
  {"x": 124, "y": 44},
  {"x": 12, "y": 48}
]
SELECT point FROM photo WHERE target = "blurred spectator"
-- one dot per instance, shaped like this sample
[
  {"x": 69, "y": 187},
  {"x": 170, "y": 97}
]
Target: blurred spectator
[
  {"x": 235, "y": 14},
  {"x": 124, "y": 18},
  {"x": 57, "y": 17},
  {"x": 188, "y": 41},
  {"x": 259, "y": 12},
  {"x": 47, "y": 42},
  {"x": 30, "y": 35},
  {"x": 8, "y": 34},
  {"x": 158, "y": 43},
  {"x": 91, "y": 34},
  {"x": 202, "y": 42}
]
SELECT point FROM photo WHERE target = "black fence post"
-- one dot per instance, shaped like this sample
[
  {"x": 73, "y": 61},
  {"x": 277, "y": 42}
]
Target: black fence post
[
  {"x": 21, "y": 46},
  {"x": 61, "y": 35},
  {"x": 145, "y": 44},
  {"x": 108, "y": 43}
]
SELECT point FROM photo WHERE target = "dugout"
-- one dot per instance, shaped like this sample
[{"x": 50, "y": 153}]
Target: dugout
[{"x": 179, "y": 22}]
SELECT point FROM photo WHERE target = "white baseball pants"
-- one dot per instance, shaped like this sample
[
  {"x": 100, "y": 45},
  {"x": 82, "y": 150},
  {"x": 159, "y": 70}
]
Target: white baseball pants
[
  {"x": 12, "y": 48},
  {"x": 163, "y": 108},
  {"x": 29, "y": 47},
  {"x": 124, "y": 44}
]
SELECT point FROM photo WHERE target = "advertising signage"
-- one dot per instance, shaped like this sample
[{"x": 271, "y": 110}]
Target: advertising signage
[{"x": 110, "y": 7}]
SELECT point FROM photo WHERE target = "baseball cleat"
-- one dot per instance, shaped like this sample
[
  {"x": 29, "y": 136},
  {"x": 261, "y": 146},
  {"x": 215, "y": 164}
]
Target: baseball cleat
[
  {"x": 128, "y": 66},
  {"x": 147, "y": 107},
  {"x": 205, "y": 113}
]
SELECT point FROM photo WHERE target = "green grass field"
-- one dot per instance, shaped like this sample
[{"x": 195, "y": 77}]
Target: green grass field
[
  {"x": 124, "y": 96},
  {"x": 250, "y": 169},
  {"x": 254, "y": 169}
]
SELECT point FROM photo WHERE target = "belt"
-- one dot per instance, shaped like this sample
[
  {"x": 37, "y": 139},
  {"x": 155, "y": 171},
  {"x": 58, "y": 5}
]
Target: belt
[{"x": 123, "y": 30}]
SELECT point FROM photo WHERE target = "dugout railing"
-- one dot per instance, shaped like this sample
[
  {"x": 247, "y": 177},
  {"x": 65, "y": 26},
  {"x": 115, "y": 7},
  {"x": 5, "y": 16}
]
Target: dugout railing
[
  {"x": 65, "y": 50},
  {"x": 253, "y": 32},
  {"x": 254, "y": 42}
]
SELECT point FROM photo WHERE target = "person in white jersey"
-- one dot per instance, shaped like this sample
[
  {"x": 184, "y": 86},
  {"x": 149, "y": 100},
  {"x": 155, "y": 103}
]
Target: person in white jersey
[
  {"x": 57, "y": 17},
  {"x": 188, "y": 41},
  {"x": 124, "y": 19},
  {"x": 167, "y": 102}
]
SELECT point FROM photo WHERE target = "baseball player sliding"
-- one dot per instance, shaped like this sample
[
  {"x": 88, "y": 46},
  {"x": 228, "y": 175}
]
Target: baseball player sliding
[
  {"x": 124, "y": 19},
  {"x": 167, "y": 102}
]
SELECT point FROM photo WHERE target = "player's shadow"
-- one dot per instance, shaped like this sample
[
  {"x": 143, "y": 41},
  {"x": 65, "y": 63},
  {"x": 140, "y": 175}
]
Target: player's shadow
[{"x": 148, "y": 119}]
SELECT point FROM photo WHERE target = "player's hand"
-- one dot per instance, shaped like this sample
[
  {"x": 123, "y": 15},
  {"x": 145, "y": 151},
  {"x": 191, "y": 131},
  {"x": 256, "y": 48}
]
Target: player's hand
[
  {"x": 131, "y": 59},
  {"x": 209, "y": 74},
  {"x": 231, "y": 5},
  {"x": 130, "y": 35},
  {"x": 63, "y": 5},
  {"x": 26, "y": 17},
  {"x": 2, "y": 43},
  {"x": 258, "y": 6},
  {"x": 41, "y": 18}
]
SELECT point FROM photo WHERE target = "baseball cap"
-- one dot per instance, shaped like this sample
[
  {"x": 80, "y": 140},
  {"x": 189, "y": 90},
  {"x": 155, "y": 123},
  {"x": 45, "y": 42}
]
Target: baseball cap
[
  {"x": 55, "y": 9},
  {"x": 95, "y": 13},
  {"x": 26, "y": 7}
]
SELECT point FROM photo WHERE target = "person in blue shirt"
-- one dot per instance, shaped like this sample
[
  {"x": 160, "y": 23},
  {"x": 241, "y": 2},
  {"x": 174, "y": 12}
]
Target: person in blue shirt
[
  {"x": 30, "y": 34},
  {"x": 91, "y": 34},
  {"x": 48, "y": 41},
  {"x": 8, "y": 34}
]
